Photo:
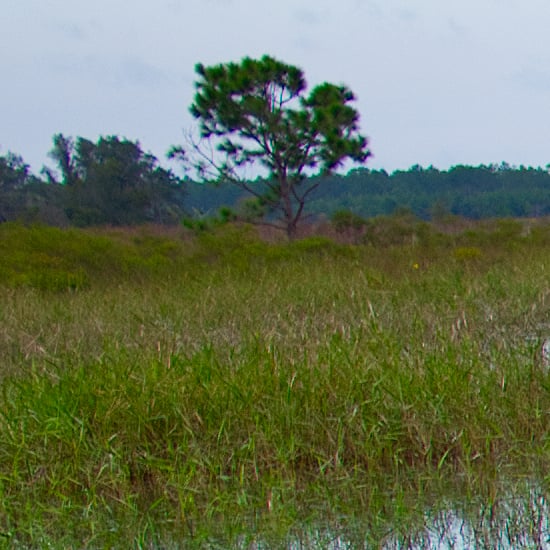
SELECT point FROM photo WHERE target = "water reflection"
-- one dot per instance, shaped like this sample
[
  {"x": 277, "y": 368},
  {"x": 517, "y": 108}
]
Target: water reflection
[{"x": 509, "y": 523}]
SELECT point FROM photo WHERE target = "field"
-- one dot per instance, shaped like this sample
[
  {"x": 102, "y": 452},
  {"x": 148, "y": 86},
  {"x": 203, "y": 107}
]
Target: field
[{"x": 164, "y": 389}]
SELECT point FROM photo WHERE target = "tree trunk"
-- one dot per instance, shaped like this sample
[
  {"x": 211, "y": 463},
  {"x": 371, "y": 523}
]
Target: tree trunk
[
  {"x": 291, "y": 229},
  {"x": 290, "y": 218}
]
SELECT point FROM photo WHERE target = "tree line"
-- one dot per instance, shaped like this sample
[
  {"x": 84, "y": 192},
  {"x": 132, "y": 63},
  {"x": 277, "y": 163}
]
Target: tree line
[
  {"x": 256, "y": 117},
  {"x": 474, "y": 192},
  {"x": 110, "y": 181}
]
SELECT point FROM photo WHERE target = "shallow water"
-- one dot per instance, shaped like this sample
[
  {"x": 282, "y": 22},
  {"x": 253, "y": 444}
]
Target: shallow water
[{"x": 509, "y": 523}]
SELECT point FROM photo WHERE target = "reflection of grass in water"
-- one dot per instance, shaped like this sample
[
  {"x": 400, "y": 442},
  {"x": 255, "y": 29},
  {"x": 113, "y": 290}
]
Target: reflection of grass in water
[
  {"x": 517, "y": 518},
  {"x": 238, "y": 386},
  {"x": 520, "y": 519}
]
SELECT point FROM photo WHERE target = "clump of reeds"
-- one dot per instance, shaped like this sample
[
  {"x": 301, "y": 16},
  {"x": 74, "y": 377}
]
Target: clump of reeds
[{"x": 236, "y": 386}]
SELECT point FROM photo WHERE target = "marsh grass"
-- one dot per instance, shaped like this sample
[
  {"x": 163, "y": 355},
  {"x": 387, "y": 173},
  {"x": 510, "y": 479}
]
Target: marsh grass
[{"x": 216, "y": 388}]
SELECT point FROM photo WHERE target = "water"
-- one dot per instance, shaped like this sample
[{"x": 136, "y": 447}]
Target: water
[{"x": 511, "y": 523}]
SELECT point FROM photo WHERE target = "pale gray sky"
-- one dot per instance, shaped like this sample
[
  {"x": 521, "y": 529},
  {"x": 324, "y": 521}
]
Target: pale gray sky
[{"x": 439, "y": 82}]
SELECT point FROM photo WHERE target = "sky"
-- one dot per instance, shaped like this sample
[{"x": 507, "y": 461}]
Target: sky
[{"x": 438, "y": 82}]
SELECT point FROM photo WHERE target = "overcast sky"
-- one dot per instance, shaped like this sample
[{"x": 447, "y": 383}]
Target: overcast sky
[{"x": 438, "y": 82}]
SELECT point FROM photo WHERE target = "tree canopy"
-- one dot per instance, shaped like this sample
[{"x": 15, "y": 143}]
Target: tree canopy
[
  {"x": 255, "y": 119},
  {"x": 113, "y": 181},
  {"x": 16, "y": 184}
]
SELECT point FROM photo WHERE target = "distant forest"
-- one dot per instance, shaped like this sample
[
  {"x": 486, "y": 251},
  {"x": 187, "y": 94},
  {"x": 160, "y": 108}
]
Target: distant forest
[
  {"x": 113, "y": 181},
  {"x": 471, "y": 192}
]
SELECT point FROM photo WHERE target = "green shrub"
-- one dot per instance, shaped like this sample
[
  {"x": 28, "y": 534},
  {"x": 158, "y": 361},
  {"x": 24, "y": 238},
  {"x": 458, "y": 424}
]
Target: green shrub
[
  {"x": 56, "y": 259},
  {"x": 467, "y": 253},
  {"x": 56, "y": 280},
  {"x": 395, "y": 230},
  {"x": 349, "y": 224}
]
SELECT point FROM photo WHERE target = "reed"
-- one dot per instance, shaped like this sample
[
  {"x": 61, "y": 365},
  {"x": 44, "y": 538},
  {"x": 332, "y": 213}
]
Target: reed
[{"x": 212, "y": 388}]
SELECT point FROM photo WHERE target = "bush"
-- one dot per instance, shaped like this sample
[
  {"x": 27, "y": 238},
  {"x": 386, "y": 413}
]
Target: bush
[
  {"x": 49, "y": 258},
  {"x": 467, "y": 253},
  {"x": 394, "y": 230}
]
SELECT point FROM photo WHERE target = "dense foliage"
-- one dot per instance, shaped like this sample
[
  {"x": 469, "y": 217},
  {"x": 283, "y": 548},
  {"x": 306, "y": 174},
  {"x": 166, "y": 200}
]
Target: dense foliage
[{"x": 112, "y": 181}]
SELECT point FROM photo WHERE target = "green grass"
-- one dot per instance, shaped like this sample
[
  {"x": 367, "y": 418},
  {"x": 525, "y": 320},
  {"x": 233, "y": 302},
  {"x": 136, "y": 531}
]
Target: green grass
[{"x": 209, "y": 388}]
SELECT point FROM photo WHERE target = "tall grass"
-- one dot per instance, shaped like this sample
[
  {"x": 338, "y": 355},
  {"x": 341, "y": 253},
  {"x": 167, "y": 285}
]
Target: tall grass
[{"x": 219, "y": 386}]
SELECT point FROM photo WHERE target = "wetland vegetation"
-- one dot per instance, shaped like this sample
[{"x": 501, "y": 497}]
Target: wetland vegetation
[{"x": 165, "y": 389}]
